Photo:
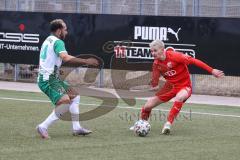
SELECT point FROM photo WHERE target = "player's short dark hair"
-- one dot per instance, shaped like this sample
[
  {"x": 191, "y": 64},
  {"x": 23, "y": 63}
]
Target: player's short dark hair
[{"x": 56, "y": 24}]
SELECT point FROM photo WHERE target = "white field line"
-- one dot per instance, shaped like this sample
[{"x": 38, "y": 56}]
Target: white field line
[
  {"x": 27, "y": 100},
  {"x": 127, "y": 107}
]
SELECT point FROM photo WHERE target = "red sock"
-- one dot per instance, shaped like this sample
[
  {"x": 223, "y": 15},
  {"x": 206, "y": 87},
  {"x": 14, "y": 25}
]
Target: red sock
[
  {"x": 145, "y": 113},
  {"x": 174, "y": 111}
]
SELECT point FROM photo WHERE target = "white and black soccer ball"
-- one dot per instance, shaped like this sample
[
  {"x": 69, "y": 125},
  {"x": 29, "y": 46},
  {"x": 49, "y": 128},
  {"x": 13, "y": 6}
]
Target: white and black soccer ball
[{"x": 142, "y": 128}]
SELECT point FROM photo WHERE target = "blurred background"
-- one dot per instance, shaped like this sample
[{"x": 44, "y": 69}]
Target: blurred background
[{"x": 202, "y": 84}]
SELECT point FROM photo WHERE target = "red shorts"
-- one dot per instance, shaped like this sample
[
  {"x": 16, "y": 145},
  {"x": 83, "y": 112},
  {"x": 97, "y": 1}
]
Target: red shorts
[{"x": 167, "y": 93}]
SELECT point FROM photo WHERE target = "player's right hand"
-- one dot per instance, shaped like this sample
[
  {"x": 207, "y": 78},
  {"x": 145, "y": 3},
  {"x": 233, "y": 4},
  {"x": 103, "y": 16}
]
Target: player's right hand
[{"x": 92, "y": 62}]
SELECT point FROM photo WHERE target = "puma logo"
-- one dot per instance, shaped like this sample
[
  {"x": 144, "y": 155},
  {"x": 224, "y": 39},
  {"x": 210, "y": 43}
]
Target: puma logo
[{"x": 170, "y": 30}]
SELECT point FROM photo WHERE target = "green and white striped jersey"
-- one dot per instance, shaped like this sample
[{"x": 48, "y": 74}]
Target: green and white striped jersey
[{"x": 49, "y": 60}]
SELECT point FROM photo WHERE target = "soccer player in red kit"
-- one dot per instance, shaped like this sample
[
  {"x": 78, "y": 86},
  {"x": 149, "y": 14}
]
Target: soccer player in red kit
[{"x": 173, "y": 67}]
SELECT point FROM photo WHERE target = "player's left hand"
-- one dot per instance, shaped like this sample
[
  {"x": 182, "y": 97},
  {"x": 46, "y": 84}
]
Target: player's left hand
[
  {"x": 217, "y": 73},
  {"x": 92, "y": 62}
]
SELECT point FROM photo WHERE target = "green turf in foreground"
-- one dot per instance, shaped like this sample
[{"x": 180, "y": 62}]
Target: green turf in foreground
[{"x": 200, "y": 137}]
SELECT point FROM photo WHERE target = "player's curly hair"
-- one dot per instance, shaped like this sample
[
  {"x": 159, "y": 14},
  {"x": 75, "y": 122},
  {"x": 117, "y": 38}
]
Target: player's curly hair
[{"x": 56, "y": 24}]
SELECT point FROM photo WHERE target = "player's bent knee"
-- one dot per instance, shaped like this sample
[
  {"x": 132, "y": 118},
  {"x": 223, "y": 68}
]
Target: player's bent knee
[
  {"x": 72, "y": 93},
  {"x": 64, "y": 100},
  {"x": 180, "y": 98},
  {"x": 182, "y": 95},
  {"x": 72, "y": 96}
]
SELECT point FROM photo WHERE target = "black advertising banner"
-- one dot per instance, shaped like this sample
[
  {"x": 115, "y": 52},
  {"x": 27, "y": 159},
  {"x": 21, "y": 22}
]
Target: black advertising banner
[{"x": 122, "y": 40}]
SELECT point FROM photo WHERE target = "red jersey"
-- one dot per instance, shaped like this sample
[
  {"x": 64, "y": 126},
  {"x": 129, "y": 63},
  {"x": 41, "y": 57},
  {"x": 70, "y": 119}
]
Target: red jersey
[{"x": 174, "y": 69}]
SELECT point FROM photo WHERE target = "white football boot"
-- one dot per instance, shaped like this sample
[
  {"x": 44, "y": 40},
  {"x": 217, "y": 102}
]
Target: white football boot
[
  {"x": 81, "y": 131},
  {"x": 43, "y": 132},
  {"x": 132, "y": 128},
  {"x": 166, "y": 128}
]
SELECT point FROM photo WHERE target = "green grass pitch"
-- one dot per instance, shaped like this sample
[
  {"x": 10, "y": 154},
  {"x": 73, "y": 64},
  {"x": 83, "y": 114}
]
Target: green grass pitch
[{"x": 194, "y": 136}]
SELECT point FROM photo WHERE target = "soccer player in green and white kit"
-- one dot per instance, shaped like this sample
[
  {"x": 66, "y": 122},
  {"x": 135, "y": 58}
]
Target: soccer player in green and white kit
[{"x": 52, "y": 54}]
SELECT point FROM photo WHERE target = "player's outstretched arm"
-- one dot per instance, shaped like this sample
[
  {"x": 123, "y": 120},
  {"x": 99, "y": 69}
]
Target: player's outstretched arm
[
  {"x": 78, "y": 61},
  {"x": 190, "y": 60},
  {"x": 217, "y": 73}
]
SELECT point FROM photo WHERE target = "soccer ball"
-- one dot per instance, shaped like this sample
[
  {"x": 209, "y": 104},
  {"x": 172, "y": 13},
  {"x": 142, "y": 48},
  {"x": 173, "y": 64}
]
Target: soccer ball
[{"x": 142, "y": 128}]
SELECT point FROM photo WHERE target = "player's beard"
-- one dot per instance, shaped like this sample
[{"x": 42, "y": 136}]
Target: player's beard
[{"x": 62, "y": 36}]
